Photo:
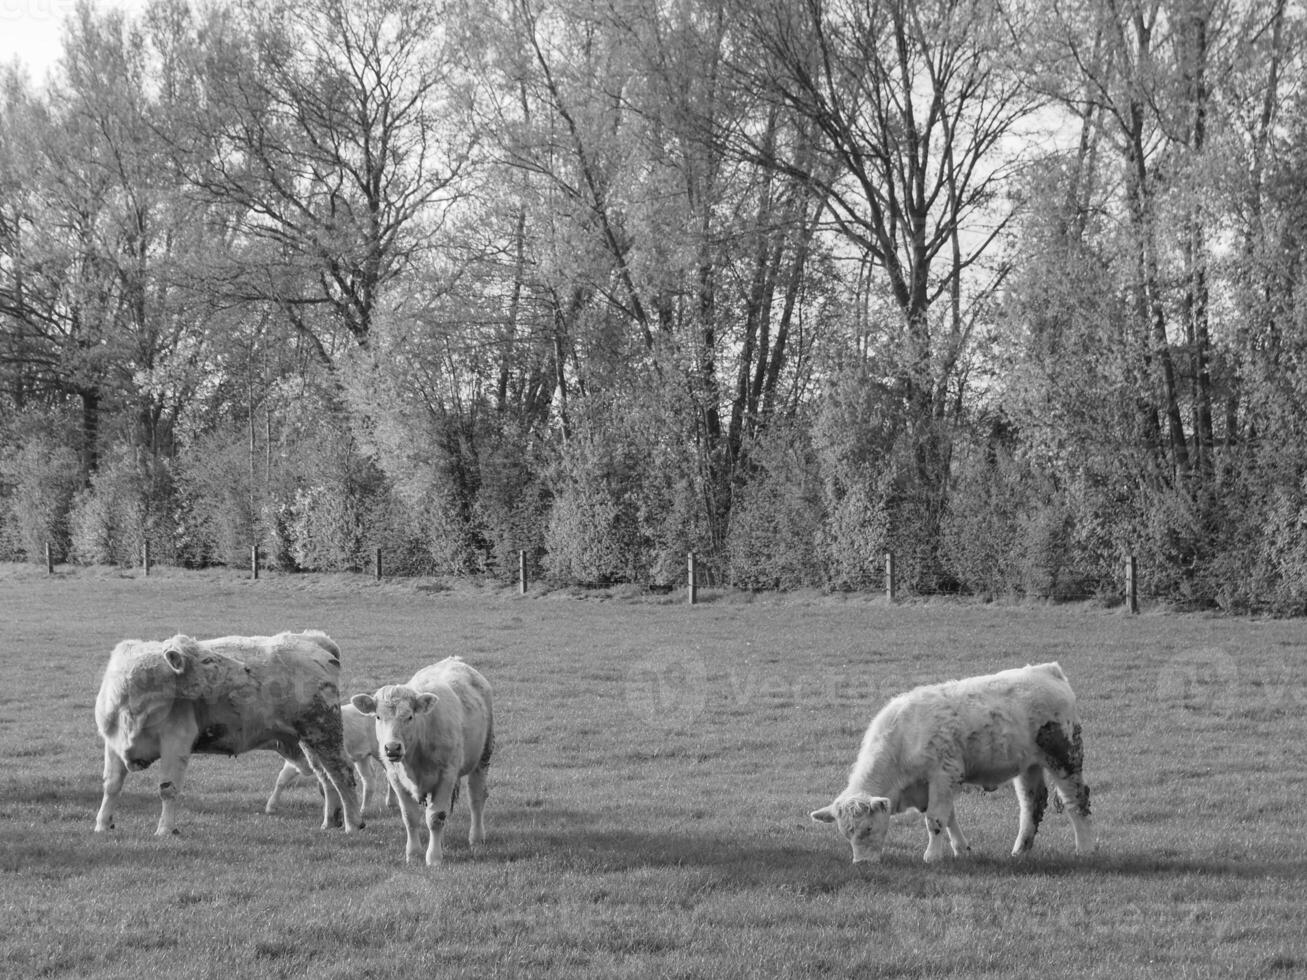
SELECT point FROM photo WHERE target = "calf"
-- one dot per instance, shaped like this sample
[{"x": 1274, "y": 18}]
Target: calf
[
  {"x": 433, "y": 731},
  {"x": 924, "y": 745}
]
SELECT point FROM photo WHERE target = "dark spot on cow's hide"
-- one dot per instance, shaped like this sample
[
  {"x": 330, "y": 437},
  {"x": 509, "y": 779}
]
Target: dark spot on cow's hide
[
  {"x": 1082, "y": 800},
  {"x": 440, "y": 816},
  {"x": 1041, "y": 804},
  {"x": 320, "y": 724},
  {"x": 1065, "y": 756}
]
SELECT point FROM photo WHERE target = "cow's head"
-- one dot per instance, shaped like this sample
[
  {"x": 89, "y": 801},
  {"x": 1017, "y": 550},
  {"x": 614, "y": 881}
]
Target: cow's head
[
  {"x": 198, "y": 671},
  {"x": 398, "y": 711},
  {"x": 863, "y": 819}
]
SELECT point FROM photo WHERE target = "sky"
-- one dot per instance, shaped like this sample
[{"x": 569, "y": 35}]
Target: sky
[{"x": 30, "y": 30}]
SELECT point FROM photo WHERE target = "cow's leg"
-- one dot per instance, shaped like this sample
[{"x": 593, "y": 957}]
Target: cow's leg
[
  {"x": 956, "y": 839},
  {"x": 1075, "y": 796},
  {"x": 1065, "y": 767},
  {"x": 372, "y": 779},
  {"x": 1032, "y": 798},
  {"x": 174, "y": 755},
  {"x": 412, "y": 814},
  {"x": 172, "y": 770},
  {"x": 332, "y": 811},
  {"x": 439, "y": 801},
  {"x": 289, "y": 773},
  {"x": 373, "y": 774},
  {"x": 115, "y": 772},
  {"x": 477, "y": 791},
  {"x": 939, "y": 813},
  {"x": 339, "y": 786}
]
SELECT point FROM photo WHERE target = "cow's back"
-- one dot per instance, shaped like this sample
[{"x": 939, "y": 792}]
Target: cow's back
[
  {"x": 1024, "y": 697},
  {"x": 464, "y": 702},
  {"x": 990, "y": 722}
]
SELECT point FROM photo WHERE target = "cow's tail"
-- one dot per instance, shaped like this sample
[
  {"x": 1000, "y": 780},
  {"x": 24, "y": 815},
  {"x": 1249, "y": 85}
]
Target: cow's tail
[{"x": 489, "y": 749}]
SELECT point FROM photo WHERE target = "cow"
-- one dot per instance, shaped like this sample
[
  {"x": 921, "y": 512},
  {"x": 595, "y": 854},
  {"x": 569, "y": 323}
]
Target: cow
[
  {"x": 360, "y": 750},
  {"x": 433, "y": 731},
  {"x": 163, "y": 700},
  {"x": 923, "y": 746}
]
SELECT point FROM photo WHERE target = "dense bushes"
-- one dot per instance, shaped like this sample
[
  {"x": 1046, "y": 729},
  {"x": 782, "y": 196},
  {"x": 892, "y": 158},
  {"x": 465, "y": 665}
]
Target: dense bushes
[
  {"x": 819, "y": 502},
  {"x": 40, "y": 481}
]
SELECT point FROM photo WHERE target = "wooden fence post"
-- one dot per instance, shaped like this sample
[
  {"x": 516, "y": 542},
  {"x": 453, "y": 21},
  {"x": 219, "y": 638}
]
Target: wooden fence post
[
  {"x": 145, "y": 558},
  {"x": 891, "y": 582},
  {"x": 254, "y": 560},
  {"x": 692, "y": 580},
  {"x": 378, "y": 565},
  {"x": 49, "y": 558},
  {"x": 1131, "y": 584},
  {"x": 521, "y": 571}
]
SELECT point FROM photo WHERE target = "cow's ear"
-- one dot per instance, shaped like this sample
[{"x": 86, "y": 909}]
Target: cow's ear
[
  {"x": 366, "y": 703},
  {"x": 176, "y": 659},
  {"x": 825, "y": 815},
  {"x": 425, "y": 702},
  {"x": 879, "y": 804}
]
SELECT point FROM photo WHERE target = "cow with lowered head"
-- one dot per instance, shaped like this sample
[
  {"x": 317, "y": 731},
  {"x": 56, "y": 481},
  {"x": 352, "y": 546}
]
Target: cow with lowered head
[
  {"x": 433, "y": 731},
  {"x": 922, "y": 747},
  {"x": 163, "y": 701}
]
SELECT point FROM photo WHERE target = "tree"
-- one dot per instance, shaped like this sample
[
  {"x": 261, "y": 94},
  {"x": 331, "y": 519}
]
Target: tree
[
  {"x": 910, "y": 109},
  {"x": 330, "y": 131}
]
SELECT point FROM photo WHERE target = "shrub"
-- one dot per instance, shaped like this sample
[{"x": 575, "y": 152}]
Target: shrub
[
  {"x": 128, "y": 503},
  {"x": 853, "y": 539},
  {"x": 219, "y": 513},
  {"x": 42, "y": 479},
  {"x": 593, "y": 534},
  {"x": 511, "y": 507},
  {"x": 777, "y": 517}
]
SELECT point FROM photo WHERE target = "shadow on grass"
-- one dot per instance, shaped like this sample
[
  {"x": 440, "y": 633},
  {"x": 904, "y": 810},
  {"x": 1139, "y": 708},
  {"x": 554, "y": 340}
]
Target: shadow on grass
[
  {"x": 807, "y": 861},
  {"x": 574, "y": 841}
]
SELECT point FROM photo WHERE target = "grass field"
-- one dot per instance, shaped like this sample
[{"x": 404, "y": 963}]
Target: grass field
[{"x": 650, "y": 795}]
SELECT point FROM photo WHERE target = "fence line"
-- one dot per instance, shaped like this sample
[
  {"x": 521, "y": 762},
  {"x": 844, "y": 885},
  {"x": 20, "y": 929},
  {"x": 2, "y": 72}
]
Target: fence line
[{"x": 1129, "y": 580}]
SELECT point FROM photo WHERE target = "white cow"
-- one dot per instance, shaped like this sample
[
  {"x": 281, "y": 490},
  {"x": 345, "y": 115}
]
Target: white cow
[
  {"x": 360, "y": 750},
  {"x": 433, "y": 731},
  {"x": 165, "y": 700},
  {"x": 924, "y": 745}
]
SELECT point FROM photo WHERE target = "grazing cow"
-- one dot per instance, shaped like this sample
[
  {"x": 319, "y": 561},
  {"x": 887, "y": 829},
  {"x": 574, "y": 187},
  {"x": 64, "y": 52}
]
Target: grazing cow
[
  {"x": 434, "y": 730},
  {"x": 165, "y": 700},
  {"x": 360, "y": 750},
  {"x": 924, "y": 745}
]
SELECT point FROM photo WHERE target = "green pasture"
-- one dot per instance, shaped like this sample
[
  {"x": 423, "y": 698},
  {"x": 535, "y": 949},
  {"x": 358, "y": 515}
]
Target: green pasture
[{"x": 648, "y": 816}]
